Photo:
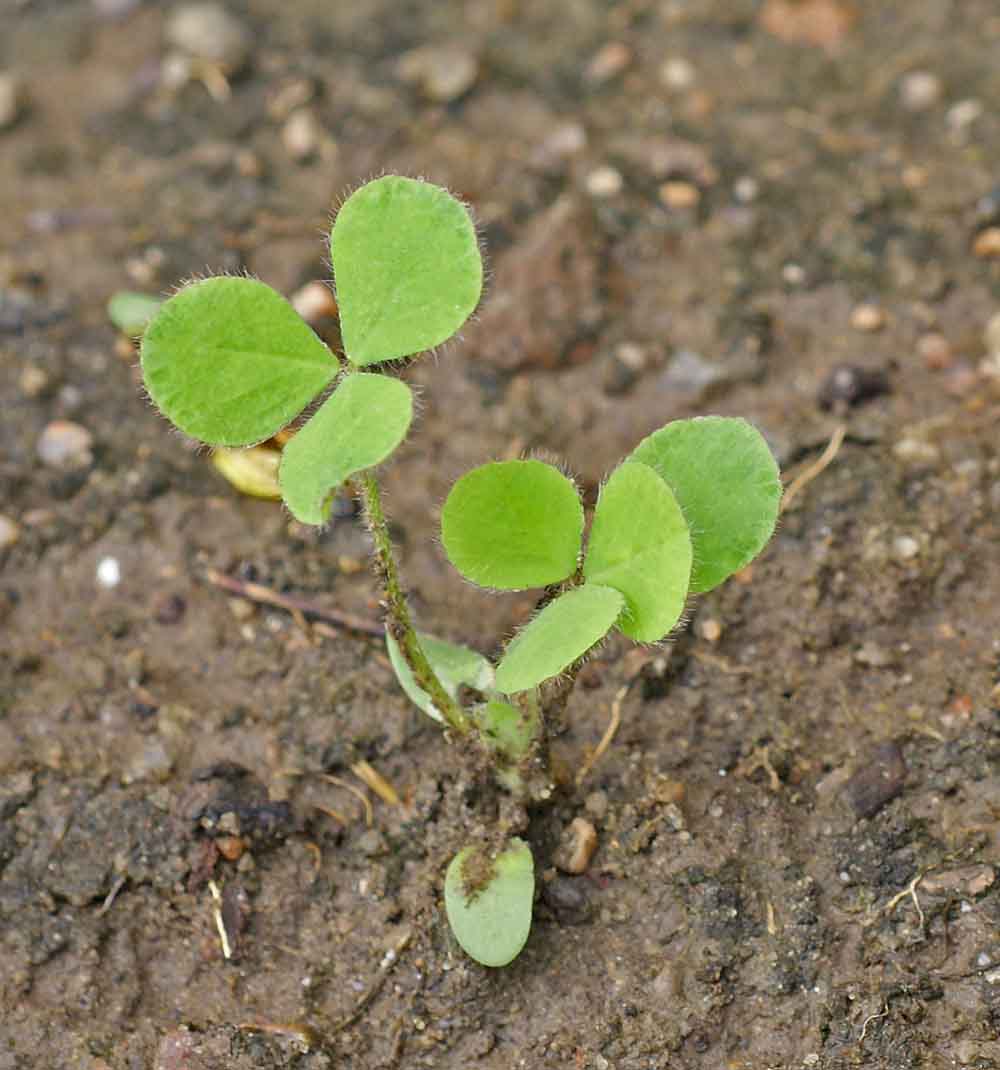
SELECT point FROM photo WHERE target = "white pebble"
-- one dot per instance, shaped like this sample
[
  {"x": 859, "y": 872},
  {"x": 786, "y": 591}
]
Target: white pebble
[
  {"x": 64, "y": 444},
  {"x": 301, "y": 135},
  {"x": 209, "y": 32},
  {"x": 109, "y": 573},
  {"x": 905, "y": 547},
  {"x": 677, "y": 73},
  {"x": 605, "y": 182},
  {"x": 919, "y": 90},
  {"x": 964, "y": 113}
]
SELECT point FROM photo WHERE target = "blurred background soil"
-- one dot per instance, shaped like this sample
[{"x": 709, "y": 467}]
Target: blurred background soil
[{"x": 785, "y": 209}]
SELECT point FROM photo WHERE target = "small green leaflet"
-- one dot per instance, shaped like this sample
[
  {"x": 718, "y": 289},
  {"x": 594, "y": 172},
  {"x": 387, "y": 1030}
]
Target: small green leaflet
[
  {"x": 512, "y": 525},
  {"x": 131, "y": 312},
  {"x": 727, "y": 484},
  {"x": 454, "y": 664},
  {"x": 639, "y": 545},
  {"x": 230, "y": 362},
  {"x": 406, "y": 266},
  {"x": 564, "y": 631},
  {"x": 507, "y": 729},
  {"x": 489, "y": 902},
  {"x": 357, "y": 427}
]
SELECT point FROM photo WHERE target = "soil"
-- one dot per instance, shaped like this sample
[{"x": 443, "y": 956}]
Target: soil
[{"x": 685, "y": 204}]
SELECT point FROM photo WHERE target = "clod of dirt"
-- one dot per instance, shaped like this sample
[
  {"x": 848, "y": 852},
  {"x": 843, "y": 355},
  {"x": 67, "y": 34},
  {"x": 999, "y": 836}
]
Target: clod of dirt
[
  {"x": 877, "y": 782},
  {"x": 545, "y": 296},
  {"x": 567, "y": 899}
]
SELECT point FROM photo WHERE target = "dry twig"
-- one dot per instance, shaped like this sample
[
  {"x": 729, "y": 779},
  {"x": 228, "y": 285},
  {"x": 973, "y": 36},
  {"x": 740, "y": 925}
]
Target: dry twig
[{"x": 256, "y": 592}]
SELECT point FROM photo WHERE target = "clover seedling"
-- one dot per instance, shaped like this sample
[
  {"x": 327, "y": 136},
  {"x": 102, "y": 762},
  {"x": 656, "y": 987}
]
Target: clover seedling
[{"x": 229, "y": 362}]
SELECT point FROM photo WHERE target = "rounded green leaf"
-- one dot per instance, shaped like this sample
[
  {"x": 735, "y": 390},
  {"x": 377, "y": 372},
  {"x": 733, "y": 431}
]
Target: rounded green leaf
[
  {"x": 640, "y": 545},
  {"x": 488, "y": 902},
  {"x": 727, "y": 483},
  {"x": 564, "y": 631},
  {"x": 230, "y": 362},
  {"x": 454, "y": 664},
  {"x": 131, "y": 312},
  {"x": 512, "y": 525},
  {"x": 357, "y": 427},
  {"x": 406, "y": 266}
]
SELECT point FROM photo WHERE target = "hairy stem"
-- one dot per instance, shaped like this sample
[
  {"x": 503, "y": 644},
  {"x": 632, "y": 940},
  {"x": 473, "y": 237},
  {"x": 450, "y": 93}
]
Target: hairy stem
[{"x": 400, "y": 624}]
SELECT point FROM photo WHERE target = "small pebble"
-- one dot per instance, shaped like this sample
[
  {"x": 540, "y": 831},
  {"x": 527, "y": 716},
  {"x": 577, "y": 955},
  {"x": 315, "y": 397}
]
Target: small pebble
[
  {"x": 231, "y": 847},
  {"x": 919, "y": 90},
  {"x": 604, "y": 182},
  {"x": 442, "y": 72},
  {"x": 964, "y": 113},
  {"x": 9, "y": 532},
  {"x": 579, "y": 842},
  {"x": 690, "y": 375},
  {"x": 867, "y": 317},
  {"x": 11, "y": 99},
  {"x": 680, "y": 195},
  {"x": 873, "y": 655},
  {"x": 609, "y": 61},
  {"x": 991, "y": 334},
  {"x": 935, "y": 351},
  {"x": 746, "y": 189},
  {"x": 314, "y": 302},
  {"x": 301, "y": 135},
  {"x": 793, "y": 274},
  {"x": 905, "y": 548},
  {"x": 711, "y": 630},
  {"x": 677, "y": 73},
  {"x": 987, "y": 244},
  {"x": 849, "y": 385},
  {"x": 64, "y": 444},
  {"x": 916, "y": 451},
  {"x": 211, "y": 33},
  {"x": 108, "y": 573},
  {"x": 34, "y": 381}
]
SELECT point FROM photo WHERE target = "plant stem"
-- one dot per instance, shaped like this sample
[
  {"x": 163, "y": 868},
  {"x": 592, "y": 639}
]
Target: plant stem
[{"x": 400, "y": 623}]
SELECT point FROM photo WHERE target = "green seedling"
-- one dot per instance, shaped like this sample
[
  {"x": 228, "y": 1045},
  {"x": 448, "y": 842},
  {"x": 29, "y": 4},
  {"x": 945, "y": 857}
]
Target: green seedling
[{"x": 229, "y": 362}]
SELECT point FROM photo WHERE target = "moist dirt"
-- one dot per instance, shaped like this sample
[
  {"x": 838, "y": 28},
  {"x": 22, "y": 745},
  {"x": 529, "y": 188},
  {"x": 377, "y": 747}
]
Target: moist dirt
[{"x": 784, "y": 210}]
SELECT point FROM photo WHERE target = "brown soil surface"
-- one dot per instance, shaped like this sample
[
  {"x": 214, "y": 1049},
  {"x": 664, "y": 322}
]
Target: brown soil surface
[{"x": 685, "y": 204}]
